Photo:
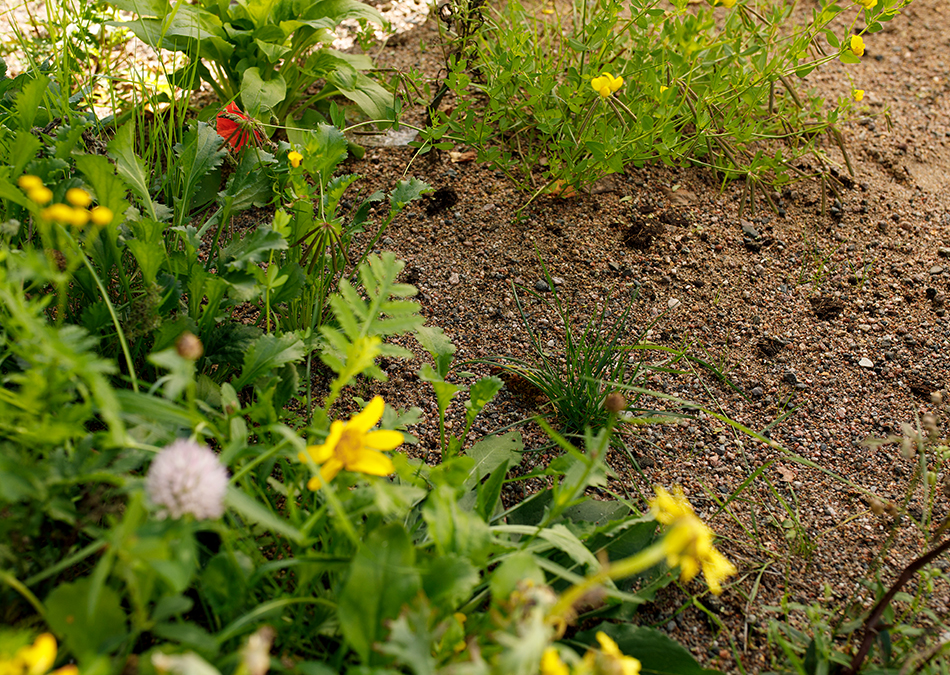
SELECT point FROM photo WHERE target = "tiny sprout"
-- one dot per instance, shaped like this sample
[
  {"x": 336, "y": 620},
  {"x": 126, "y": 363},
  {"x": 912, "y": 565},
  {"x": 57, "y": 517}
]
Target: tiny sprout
[
  {"x": 189, "y": 346},
  {"x": 615, "y": 403}
]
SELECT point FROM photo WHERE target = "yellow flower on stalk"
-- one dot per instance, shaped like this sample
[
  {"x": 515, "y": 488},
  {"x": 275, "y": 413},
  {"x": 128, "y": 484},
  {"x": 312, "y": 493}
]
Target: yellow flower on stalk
[
  {"x": 858, "y": 95},
  {"x": 688, "y": 543},
  {"x": 79, "y": 218},
  {"x": 101, "y": 215},
  {"x": 856, "y": 45},
  {"x": 867, "y": 4},
  {"x": 352, "y": 446},
  {"x": 35, "y": 659},
  {"x": 294, "y": 158},
  {"x": 728, "y": 4},
  {"x": 551, "y": 663},
  {"x": 28, "y": 182},
  {"x": 663, "y": 88},
  {"x": 78, "y": 197},
  {"x": 40, "y": 195},
  {"x": 606, "y": 84}
]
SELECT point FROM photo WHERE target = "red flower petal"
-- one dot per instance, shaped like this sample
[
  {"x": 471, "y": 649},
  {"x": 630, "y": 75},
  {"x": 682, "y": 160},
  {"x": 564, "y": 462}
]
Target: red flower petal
[{"x": 231, "y": 131}]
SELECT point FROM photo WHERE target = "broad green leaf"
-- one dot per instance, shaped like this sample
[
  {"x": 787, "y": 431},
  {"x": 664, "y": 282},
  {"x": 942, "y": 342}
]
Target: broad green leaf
[
  {"x": 109, "y": 188},
  {"x": 383, "y": 578},
  {"x": 324, "y": 148},
  {"x": 448, "y": 580},
  {"x": 491, "y": 452},
  {"x": 454, "y": 529},
  {"x": 657, "y": 652},
  {"x": 86, "y": 633},
  {"x": 252, "y": 249},
  {"x": 490, "y": 491},
  {"x": 479, "y": 394},
  {"x": 375, "y": 101},
  {"x": 269, "y": 353},
  {"x": 260, "y": 96}
]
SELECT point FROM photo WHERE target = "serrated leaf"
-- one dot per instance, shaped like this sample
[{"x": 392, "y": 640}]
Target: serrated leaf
[
  {"x": 252, "y": 249},
  {"x": 200, "y": 152},
  {"x": 269, "y": 353},
  {"x": 131, "y": 168},
  {"x": 434, "y": 340},
  {"x": 407, "y": 191}
]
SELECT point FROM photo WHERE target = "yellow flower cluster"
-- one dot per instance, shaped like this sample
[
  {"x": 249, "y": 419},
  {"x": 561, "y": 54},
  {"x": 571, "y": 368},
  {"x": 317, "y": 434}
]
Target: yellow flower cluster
[
  {"x": 35, "y": 659},
  {"x": 75, "y": 213},
  {"x": 609, "y": 660},
  {"x": 352, "y": 446},
  {"x": 688, "y": 543},
  {"x": 858, "y": 95},
  {"x": 606, "y": 84}
]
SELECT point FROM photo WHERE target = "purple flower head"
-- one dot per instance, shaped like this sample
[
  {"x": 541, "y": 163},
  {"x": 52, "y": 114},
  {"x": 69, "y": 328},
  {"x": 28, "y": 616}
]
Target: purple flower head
[{"x": 187, "y": 478}]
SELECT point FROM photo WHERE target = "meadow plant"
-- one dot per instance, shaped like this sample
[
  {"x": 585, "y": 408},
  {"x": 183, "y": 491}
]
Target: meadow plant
[{"x": 559, "y": 97}]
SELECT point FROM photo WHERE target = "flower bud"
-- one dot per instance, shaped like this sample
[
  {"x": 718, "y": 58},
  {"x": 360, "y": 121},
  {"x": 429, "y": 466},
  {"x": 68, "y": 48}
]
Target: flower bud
[
  {"x": 189, "y": 346},
  {"x": 615, "y": 402},
  {"x": 877, "y": 508}
]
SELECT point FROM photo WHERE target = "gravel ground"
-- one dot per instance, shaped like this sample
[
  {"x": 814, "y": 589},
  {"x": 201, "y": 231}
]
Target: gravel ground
[{"x": 820, "y": 330}]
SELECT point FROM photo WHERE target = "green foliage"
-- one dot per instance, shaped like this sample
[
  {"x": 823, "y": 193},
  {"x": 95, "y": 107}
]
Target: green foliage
[
  {"x": 266, "y": 53},
  {"x": 705, "y": 86}
]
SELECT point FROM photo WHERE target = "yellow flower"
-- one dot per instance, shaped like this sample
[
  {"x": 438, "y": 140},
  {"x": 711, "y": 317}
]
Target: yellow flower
[
  {"x": 606, "y": 84},
  {"x": 78, "y": 197},
  {"x": 688, "y": 543},
  {"x": 728, "y": 4},
  {"x": 58, "y": 213},
  {"x": 28, "y": 182},
  {"x": 857, "y": 45},
  {"x": 41, "y": 195},
  {"x": 101, "y": 215},
  {"x": 79, "y": 218},
  {"x": 551, "y": 663},
  {"x": 858, "y": 95},
  {"x": 663, "y": 88},
  {"x": 35, "y": 659},
  {"x": 294, "y": 158},
  {"x": 867, "y": 4},
  {"x": 627, "y": 664},
  {"x": 352, "y": 446}
]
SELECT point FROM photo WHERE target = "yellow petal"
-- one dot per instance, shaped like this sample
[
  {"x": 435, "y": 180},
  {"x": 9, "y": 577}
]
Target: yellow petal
[
  {"x": 616, "y": 84},
  {"x": 372, "y": 463},
  {"x": 369, "y": 417},
  {"x": 321, "y": 453},
  {"x": 607, "y": 645},
  {"x": 40, "y": 657},
  {"x": 716, "y": 569},
  {"x": 551, "y": 663},
  {"x": 383, "y": 439},
  {"x": 327, "y": 473}
]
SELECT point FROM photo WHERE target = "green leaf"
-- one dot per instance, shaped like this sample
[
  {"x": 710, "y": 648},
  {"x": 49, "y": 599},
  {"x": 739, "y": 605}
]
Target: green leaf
[
  {"x": 260, "y": 96},
  {"x": 324, "y": 148},
  {"x": 268, "y": 353},
  {"x": 28, "y": 101},
  {"x": 252, "y": 249},
  {"x": 480, "y": 394},
  {"x": 86, "y": 633},
  {"x": 407, "y": 191},
  {"x": 434, "y": 340},
  {"x": 491, "y": 452},
  {"x": 132, "y": 169},
  {"x": 181, "y": 371},
  {"x": 148, "y": 246},
  {"x": 109, "y": 188},
  {"x": 490, "y": 491},
  {"x": 506, "y": 577},
  {"x": 657, "y": 652},
  {"x": 413, "y": 638},
  {"x": 199, "y": 153},
  {"x": 383, "y": 577},
  {"x": 448, "y": 580},
  {"x": 454, "y": 529},
  {"x": 253, "y": 511}
]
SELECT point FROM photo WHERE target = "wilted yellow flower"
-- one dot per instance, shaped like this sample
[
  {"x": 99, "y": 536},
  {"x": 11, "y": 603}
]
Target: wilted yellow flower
[
  {"x": 857, "y": 45},
  {"x": 294, "y": 158},
  {"x": 352, "y": 446},
  {"x": 40, "y": 195},
  {"x": 101, "y": 215},
  {"x": 28, "y": 182},
  {"x": 606, "y": 84},
  {"x": 858, "y": 94},
  {"x": 78, "y": 197},
  {"x": 688, "y": 543}
]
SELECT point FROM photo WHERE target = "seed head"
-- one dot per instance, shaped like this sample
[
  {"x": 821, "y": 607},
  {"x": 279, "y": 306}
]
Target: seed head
[
  {"x": 189, "y": 346},
  {"x": 187, "y": 478},
  {"x": 615, "y": 403}
]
